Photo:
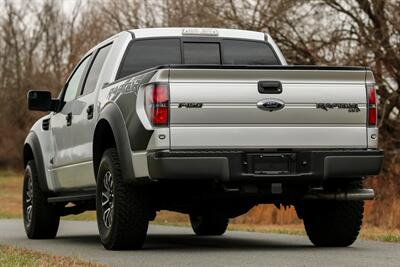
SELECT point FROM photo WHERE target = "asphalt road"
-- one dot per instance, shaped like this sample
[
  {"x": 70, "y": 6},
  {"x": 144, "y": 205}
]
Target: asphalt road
[{"x": 177, "y": 246}]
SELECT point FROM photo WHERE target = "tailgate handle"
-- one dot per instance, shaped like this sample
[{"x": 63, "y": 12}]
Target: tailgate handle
[{"x": 270, "y": 87}]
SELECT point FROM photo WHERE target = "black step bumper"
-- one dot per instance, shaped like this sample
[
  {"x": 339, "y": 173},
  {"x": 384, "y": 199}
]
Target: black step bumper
[{"x": 239, "y": 165}]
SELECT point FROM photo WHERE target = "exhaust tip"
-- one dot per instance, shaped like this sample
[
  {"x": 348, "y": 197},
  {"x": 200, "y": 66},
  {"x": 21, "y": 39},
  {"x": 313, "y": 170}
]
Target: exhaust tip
[{"x": 354, "y": 194}]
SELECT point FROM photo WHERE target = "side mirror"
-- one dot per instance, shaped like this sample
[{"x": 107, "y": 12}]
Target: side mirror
[{"x": 42, "y": 101}]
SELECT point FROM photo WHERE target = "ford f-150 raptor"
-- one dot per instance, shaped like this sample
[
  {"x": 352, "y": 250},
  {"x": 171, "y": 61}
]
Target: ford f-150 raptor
[{"x": 206, "y": 122}]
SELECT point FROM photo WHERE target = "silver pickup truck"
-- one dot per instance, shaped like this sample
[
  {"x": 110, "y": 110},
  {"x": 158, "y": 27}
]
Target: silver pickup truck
[{"x": 206, "y": 122}]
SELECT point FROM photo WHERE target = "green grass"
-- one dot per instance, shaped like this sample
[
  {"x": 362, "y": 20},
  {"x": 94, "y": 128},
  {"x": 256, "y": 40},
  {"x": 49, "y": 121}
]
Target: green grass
[
  {"x": 86, "y": 216},
  {"x": 275, "y": 229},
  {"x": 19, "y": 257},
  {"x": 8, "y": 215},
  {"x": 13, "y": 257},
  {"x": 390, "y": 238},
  {"x": 384, "y": 237},
  {"x": 6, "y": 174}
]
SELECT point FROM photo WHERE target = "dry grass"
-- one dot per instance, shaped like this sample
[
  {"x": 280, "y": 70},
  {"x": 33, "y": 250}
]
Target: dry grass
[
  {"x": 382, "y": 218},
  {"x": 11, "y": 198},
  {"x": 10, "y": 195},
  {"x": 19, "y": 257}
]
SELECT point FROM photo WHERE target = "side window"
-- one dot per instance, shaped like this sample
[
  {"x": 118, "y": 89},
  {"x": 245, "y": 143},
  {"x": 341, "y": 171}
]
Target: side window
[
  {"x": 145, "y": 54},
  {"x": 94, "y": 72},
  {"x": 74, "y": 81}
]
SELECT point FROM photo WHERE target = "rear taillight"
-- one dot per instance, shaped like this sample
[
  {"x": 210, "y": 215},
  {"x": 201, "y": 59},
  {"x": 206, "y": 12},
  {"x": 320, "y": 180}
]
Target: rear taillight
[
  {"x": 157, "y": 104},
  {"x": 372, "y": 114}
]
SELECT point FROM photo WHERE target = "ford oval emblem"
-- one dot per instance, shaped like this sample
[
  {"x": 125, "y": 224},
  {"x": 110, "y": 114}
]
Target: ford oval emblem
[{"x": 270, "y": 104}]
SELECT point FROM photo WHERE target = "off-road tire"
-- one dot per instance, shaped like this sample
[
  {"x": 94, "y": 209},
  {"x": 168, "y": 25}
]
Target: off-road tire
[
  {"x": 204, "y": 225},
  {"x": 130, "y": 217},
  {"x": 330, "y": 223},
  {"x": 43, "y": 219}
]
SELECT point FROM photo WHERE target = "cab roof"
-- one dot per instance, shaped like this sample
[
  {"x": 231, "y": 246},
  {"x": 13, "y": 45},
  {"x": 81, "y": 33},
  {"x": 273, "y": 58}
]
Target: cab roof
[{"x": 199, "y": 32}]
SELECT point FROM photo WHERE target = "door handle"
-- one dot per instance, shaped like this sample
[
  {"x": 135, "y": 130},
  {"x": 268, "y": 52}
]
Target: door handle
[
  {"x": 89, "y": 112},
  {"x": 69, "y": 119},
  {"x": 269, "y": 87}
]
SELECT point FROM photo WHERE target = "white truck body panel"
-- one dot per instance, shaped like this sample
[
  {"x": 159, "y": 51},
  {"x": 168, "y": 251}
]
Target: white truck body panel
[{"x": 229, "y": 116}]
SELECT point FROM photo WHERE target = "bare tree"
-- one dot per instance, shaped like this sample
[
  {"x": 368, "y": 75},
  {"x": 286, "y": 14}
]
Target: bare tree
[{"x": 39, "y": 46}]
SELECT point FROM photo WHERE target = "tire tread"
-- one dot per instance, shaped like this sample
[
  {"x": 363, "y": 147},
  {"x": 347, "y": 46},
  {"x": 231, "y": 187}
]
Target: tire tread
[
  {"x": 45, "y": 216},
  {"x": 330, "y": 223},
  {"x": 130, "y": 220}
]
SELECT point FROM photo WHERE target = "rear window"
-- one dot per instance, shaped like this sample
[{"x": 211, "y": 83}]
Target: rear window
[
  {"x": 238, "y": 52},
  {"x": 201, "y": 53},
  {"x": 145, "y": 54},
  {"x": 149, "y": 53}
]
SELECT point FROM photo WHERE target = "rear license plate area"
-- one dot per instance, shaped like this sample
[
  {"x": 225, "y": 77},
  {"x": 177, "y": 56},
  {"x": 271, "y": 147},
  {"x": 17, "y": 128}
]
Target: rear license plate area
[{"x": 271, "y": 164}]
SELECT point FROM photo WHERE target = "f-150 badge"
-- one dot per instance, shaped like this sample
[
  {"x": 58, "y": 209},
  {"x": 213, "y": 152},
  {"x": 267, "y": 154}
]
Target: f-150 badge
[
  {"x": 190, "y": 105},
  {"x": 351, "y": 107}
]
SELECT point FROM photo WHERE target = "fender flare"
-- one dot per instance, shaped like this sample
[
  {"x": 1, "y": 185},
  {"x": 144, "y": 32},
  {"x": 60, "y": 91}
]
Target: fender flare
[
  {"x": 113, "y": 116},
  {"x": 32, "y": 142}
]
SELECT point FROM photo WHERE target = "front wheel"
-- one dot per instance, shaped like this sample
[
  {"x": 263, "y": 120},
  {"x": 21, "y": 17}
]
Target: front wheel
[
  {"x": 41, "y": 219},
  {"x": 122, "y": 209}
]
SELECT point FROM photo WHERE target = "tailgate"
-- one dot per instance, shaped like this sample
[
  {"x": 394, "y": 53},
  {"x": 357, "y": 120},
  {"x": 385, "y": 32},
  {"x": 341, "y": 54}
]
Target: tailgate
[{"x": 268, "y": 108}]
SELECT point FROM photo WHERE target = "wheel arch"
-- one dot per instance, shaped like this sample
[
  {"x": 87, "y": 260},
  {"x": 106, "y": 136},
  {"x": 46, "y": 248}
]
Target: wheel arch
[
  {"x": 111, "y": 131},
  {"x": 32, "y": 151}
]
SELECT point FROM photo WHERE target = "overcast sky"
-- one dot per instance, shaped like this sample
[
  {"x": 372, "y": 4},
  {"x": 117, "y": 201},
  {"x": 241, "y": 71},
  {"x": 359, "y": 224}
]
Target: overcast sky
[{"x": 68, "y": 5}]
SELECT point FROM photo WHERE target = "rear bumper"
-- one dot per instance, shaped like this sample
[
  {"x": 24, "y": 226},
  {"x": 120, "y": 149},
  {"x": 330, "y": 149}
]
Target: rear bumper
[{"x": 233, "y": 166}]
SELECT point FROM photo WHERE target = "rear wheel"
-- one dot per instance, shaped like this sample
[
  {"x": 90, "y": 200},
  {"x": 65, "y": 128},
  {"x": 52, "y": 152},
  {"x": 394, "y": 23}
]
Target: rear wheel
[
  {"x": 209, "y": 224},
  {"x": 122, "y": 209},
  {"x": 330, "y": 223},
  {"x": 41, "y": 219}
]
